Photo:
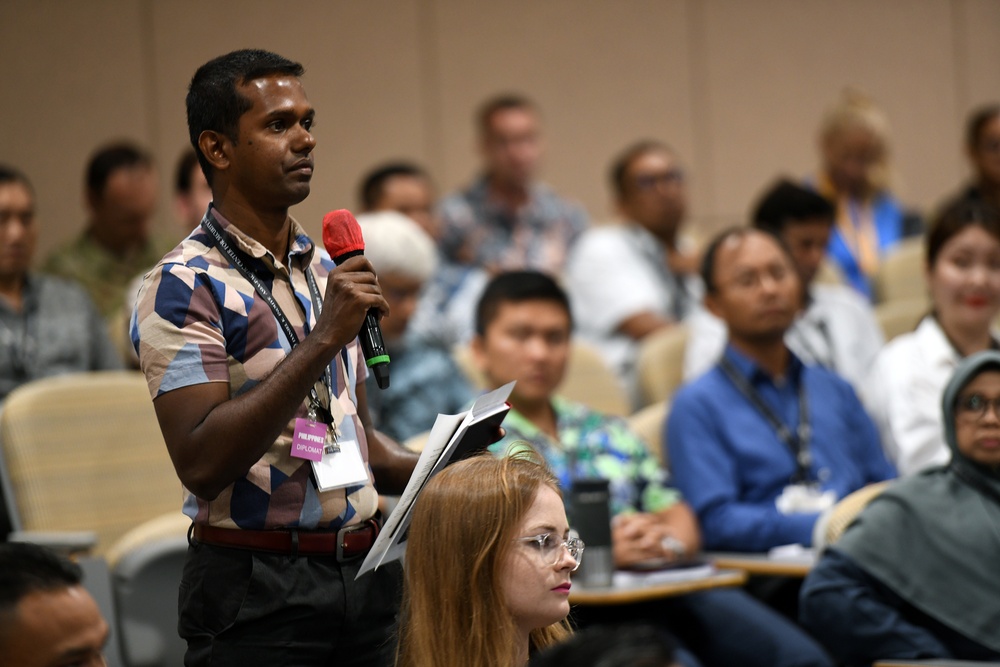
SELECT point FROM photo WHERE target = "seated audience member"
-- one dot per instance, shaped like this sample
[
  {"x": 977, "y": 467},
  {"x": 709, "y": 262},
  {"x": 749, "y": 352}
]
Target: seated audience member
[
  {"x": 905, "y": 384},
  {"x": 854, "y": 149},
  {"x": 524, "y": 326},
  {"x": 48, "y": 326},
  {"x": 761, "y": 444},
  {"x": 47, "y": 617},
  {"x": 425, "y": 380},
  {"x": 837, "y": 328},
  {"x": 611, "y": 646},
  {"x": 117, "y": 244},
  {"x": 507, "y": 219},
  {"x": 628, "y": 280},
  {"x": 982, "y": 146},
  {"x": 488, "y": 563},
  {"x": 402, "y": 187},
  {"x": 447, "y": 304},
  {"x": 915, "y": 575}
]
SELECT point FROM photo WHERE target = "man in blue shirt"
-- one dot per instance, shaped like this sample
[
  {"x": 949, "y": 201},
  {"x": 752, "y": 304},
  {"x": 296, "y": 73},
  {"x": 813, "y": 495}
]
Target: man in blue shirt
[{"x": 762, "y": 444}]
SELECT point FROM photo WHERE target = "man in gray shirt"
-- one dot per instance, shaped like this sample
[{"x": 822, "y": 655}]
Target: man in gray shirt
[{"x": 48, "y": 326}]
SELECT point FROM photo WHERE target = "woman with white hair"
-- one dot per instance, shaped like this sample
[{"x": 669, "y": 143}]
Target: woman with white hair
[{"x": 425, "y": 378}]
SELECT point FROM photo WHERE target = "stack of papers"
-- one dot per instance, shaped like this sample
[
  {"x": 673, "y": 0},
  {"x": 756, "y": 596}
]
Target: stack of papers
[{"x": 452, "y": 438}]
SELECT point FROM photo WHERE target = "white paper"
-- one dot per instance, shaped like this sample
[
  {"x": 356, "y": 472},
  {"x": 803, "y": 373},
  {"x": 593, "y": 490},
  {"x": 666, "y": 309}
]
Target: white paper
[
  {"x": 444, "y": 438},
  {"x": 339, "y": 469},
  {"x": 630, "y": 579}
]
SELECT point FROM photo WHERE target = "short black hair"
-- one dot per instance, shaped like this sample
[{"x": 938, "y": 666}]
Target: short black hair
[
  {"x": 977, "y": 121},
  {"x": 213, "y": 100},
  {"x": 624, "y": 160},
  {"x": 638, "y": 645},
  {"x": 108, "y": 159},
  {"x": 517, "y": 287},
  {"x": 498, "y": 103},
  {"x": 9, "y": 174},
  {"x": 182, "y": 177},
  {"x": 373, "y": 184},
  {"x": 787, "y": 203},
  {"x": 26, "y": 568}
]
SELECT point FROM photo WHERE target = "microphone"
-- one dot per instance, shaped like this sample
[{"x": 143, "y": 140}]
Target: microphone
[{"x": 342, "y": 239}]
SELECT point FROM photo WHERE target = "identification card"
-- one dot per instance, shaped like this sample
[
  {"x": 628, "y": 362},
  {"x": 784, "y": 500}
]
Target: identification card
[
  {"x": 309, "y": 439},
  {"x": 804, "y": 499},
  {"x": 341, "y": 468}
]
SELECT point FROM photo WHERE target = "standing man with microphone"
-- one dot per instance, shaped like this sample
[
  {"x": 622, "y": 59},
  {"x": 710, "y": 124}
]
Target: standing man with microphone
[{"x": 247, "y": 336}]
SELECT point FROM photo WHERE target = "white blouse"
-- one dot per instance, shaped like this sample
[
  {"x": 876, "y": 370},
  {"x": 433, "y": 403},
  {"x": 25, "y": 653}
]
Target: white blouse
[{"x": 903, "y": 395}]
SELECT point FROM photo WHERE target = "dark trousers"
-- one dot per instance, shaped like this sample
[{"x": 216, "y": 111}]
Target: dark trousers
[
  {"x": 722, "y": 627},
  {"x": 244, "y": 608}
]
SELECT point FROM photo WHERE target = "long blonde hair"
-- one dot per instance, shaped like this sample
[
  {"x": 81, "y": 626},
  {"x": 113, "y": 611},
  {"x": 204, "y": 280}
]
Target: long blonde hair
[{"x": 462, "y": 531}]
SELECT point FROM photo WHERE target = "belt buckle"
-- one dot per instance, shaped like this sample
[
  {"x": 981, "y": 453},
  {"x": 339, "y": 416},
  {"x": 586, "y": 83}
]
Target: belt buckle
[{"x": 341, "y": 558}]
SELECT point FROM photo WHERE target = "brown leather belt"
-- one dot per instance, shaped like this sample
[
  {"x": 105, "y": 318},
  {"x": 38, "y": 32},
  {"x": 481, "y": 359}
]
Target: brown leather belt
[{"x": 345, "y": 544}]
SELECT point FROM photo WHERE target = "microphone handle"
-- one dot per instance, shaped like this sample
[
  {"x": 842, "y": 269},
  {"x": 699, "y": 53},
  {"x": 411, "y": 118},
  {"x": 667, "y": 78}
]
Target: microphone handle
[
  {"x": 376, "y": 358},
  {"x": 370, "y": 336}
]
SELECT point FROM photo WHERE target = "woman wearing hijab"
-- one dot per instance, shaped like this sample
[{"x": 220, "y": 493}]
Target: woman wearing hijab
[{"x": 916, "y": 575}]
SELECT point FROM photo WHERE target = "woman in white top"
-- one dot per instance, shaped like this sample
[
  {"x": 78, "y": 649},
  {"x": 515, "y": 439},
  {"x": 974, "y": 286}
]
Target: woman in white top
[{"x": 904, "y": 389}]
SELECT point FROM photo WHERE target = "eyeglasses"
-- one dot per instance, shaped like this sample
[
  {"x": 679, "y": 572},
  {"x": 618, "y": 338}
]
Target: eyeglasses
[
  {"x": 550, "y": 548},
  {"x": 648, "y": 182},
  {"x": 974, "y": 406}
]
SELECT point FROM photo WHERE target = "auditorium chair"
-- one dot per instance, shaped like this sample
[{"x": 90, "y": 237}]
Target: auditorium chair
[{"x": 660, "y": 363}]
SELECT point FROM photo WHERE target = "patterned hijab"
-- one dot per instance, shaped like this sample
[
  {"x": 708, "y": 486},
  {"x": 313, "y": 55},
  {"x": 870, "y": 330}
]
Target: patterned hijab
[{"x": 934, "y": 538}]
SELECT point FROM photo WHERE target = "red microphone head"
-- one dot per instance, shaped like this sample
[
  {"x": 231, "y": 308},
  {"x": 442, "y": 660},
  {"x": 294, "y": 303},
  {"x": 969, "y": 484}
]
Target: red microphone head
[{"x": 342, "y": 235}]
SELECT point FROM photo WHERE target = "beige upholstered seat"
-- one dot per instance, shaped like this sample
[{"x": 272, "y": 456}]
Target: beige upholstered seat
[
  {"x": 901, "y": 272},
  {"x": 900, "y": 316},
  {"x": 84, "y": 453},
  {"x": 660, "y": 363},
  {"x": 648, "y": 424},
  {"x": 588, "y": 379},
  {"x": 849, "y": 507}
]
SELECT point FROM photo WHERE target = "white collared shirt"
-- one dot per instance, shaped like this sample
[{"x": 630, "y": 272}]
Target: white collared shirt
[
  {"x": 903, "y": 395},
  {"x": 619, "y": 270}
]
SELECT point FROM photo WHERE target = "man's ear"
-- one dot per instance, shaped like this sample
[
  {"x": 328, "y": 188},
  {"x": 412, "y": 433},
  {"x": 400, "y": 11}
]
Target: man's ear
[{"x": 216, "y": 147}]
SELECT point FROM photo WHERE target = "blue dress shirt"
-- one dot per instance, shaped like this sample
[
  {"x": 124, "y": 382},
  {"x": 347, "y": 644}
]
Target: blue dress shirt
[{"x": 731, "y": 466}]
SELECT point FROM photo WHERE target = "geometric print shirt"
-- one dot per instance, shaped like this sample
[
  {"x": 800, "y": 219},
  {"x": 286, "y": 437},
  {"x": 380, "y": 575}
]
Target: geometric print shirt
[
  {"x": 198, "y": 320},
  {"x": 592, "y": 444}
]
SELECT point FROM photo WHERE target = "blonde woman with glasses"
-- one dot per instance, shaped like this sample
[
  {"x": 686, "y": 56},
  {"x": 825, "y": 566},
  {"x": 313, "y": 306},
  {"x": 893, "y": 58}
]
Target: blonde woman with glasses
[{"x": 488, "y": 563}]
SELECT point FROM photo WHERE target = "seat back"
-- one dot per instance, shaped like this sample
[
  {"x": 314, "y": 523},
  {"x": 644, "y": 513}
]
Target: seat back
[
  {"x": 648, "y": 424},
  {"x": 847, "y": 509},
  {"x": 660, "y": 363},
  {"x": 147, "y": 564},
  {"x": 588, "y": 378},
  {"x": 900, "y": 316},
  {"x": 901, "y": 272},
  {"x": 84, "y": 452}
]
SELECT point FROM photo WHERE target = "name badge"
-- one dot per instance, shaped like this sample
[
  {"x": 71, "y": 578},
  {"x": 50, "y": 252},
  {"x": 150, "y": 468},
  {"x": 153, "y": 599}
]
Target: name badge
[
  {"x": 804, "y": 499},
  {"x": 340, "y": 468},
  {"x": 309, "y": 439}
]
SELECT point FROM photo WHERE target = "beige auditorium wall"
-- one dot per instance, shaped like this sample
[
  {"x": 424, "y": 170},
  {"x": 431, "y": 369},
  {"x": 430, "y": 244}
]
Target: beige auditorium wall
[{"x": 737, "y": 86}]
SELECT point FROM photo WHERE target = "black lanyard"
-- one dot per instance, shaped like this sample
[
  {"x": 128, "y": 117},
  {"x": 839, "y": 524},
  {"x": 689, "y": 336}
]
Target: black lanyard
[
  {"x": 239, "y": 260},
  {"x": 798, "y": 441}
]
